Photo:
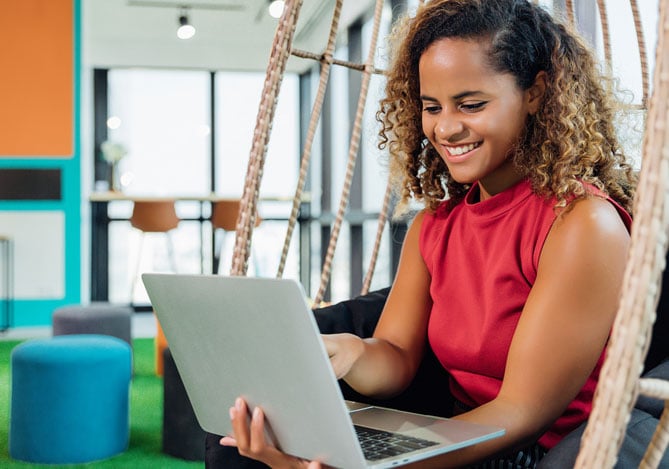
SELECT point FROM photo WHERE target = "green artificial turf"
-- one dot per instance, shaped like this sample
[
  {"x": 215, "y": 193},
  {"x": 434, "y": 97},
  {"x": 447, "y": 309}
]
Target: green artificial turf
[{"x": 146, "y": 394}]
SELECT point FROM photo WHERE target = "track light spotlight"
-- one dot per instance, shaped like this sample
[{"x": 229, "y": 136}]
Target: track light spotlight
[
  {"x": 185, "y": 30},
  {"x": 276, "y": 8}
]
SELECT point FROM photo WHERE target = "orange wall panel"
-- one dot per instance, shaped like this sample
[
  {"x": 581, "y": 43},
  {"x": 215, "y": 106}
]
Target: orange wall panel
[{"x": 36, "y": 78}]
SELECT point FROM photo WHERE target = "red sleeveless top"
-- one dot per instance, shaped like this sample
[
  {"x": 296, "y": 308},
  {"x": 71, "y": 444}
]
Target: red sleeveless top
[{"x": 483, "y": 260}]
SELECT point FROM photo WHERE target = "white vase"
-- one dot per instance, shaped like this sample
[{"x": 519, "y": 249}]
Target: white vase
[{"x": 114, "y": 180}]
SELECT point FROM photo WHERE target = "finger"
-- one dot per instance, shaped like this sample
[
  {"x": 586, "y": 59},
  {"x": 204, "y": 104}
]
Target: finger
[
  {"x": 227, "y": 441},
  {"x": 314, "y": 465},
  {"x": 338, "y": 366},
  {"x": 265, "y": 452},
  {"x": 329, "y": 345},
  {"x": 258, "y": 443},
  {"x": 239, "y": 424}
]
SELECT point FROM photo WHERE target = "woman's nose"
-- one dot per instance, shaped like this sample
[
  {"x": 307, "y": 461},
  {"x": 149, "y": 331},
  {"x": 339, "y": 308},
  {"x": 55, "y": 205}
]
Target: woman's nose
[{"x": 448, "y": 127}]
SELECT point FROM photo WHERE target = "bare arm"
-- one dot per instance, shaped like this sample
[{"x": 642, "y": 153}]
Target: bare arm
[{"x": 384, "y": 365}]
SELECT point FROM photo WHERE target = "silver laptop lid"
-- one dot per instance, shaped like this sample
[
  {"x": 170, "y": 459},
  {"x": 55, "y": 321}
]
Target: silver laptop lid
[{"x": 255, "y": 338}]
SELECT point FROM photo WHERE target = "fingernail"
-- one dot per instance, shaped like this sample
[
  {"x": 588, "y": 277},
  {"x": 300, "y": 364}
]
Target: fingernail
[
  {"x": 238, "y": 403},
  {"x": 232, "y": 412},
  {"x": 227, "y": 441}
]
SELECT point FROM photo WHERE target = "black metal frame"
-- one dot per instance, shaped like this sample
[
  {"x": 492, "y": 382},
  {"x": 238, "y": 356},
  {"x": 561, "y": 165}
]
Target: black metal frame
[{"x": 355, "y": 218}]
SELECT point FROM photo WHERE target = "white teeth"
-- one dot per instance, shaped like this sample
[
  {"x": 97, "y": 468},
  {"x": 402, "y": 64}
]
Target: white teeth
[{"x": 463, "y": 149}]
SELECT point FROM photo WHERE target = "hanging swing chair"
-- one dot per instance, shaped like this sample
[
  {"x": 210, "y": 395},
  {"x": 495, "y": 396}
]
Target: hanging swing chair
[{"x": 620, "y": 383}]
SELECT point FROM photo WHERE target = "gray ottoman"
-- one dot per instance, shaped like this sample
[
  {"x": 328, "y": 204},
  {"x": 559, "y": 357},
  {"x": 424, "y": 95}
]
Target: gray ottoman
[{"x": 95, "y": 318}]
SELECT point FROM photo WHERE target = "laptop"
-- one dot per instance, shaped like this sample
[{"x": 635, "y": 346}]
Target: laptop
[{"x": 257, "y": 338}]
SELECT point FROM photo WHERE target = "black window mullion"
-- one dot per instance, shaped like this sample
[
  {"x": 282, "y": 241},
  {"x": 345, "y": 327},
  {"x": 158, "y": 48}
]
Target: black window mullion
[
  {"x": 212, "y": 133},
  {"x": 304, "y": 217},
  {"x": 355, "y": 55},
  {"x": 101, "y": 172}
]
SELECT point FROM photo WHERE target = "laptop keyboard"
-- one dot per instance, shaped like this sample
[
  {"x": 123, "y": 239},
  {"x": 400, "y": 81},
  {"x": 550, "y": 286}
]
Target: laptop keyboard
[{"x": 380, "y": 444}]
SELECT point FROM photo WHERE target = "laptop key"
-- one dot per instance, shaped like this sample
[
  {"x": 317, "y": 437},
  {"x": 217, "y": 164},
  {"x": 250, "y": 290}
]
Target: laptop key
[{"x": 381, "y": 444}]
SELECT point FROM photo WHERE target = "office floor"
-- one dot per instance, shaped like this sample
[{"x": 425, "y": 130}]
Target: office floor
[{"x": 143, "y": 326}]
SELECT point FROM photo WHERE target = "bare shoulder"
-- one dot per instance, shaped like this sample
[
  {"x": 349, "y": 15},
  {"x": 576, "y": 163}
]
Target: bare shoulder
[
  {"x": 588, "y": 226},
  {"x": 591, "y": 216},
  {"x": 592, "y": 208}
]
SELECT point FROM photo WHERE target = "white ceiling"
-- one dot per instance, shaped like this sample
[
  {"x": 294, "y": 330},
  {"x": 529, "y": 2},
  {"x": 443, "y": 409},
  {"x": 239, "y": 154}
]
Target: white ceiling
[{"x": 231, "y": 34}]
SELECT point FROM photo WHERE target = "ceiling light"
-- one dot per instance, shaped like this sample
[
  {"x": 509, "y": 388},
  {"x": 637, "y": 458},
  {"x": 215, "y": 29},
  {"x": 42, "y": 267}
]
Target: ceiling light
[
  {"x": 186, "y": 30},
  {"x": 113, "y": 122},
  {"x": 276, "y": 8}
]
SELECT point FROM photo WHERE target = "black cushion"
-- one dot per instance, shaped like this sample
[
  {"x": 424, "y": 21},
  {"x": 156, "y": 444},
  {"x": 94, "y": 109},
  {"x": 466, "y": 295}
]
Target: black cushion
[
  {"x": 651, "y": 405},
  {"x": 639, "y": 433},
  {"x": 659, "y": 344},
  {"x": 357, "y": 316}
]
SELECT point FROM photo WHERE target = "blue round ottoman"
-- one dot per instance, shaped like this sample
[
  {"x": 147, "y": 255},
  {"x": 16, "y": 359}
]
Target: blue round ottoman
[
  {"x": 69, "y": 399},
  {"x": 94, "y": 318}
]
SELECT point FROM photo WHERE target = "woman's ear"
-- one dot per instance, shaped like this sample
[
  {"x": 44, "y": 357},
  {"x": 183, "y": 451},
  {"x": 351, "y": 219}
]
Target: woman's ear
[{"x": 535, "y": 93}]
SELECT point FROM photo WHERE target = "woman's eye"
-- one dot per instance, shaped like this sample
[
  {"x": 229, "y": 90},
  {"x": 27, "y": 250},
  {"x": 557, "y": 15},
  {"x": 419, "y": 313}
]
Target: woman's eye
[
  {"x": 473, "y": 107},
  {"x": 431, "y": 109}
]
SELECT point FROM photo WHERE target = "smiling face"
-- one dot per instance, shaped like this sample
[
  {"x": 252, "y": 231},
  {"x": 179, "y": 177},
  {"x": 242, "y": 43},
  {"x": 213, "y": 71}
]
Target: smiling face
[{"x": 473, "y": 115}]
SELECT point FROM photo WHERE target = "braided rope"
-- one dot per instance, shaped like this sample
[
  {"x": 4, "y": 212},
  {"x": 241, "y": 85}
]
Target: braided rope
[
  {"x": 656, "y": 388},
  {"x": 277, "y": 63},
  {"x": 643, "y": 57},
  {"x": 569, "y": 6},
  {"x": 606, "y": 35},
  {"x": 628, "y": 345},
  {"x": 383, "y": 217},
  {"x": 326, "y": 60},
  {"x": 352, "y": 155},
  {"x": 658, "y": 445}
]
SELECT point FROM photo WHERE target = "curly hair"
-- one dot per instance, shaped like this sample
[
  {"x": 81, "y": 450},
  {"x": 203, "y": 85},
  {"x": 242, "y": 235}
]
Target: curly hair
[{"x": 570, "y": 140}]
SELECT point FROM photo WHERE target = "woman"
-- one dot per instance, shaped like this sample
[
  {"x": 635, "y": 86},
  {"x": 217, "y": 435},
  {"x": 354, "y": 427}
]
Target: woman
[{"x": 497, "y": 118}]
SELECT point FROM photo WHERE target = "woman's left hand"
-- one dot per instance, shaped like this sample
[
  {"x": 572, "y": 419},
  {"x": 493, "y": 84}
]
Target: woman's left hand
[{"x": 250, "y": 440}]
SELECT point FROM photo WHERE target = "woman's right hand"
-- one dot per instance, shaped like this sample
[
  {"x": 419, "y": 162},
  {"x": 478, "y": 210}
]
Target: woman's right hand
[
  {"x": 343, "y": 350},
  {"x": 249, "y": 439}
]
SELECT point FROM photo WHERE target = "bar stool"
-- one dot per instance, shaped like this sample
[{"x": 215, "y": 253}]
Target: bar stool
[
  {"x": 224, "y": 217},
  {"x": 153, "y": 216}
]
